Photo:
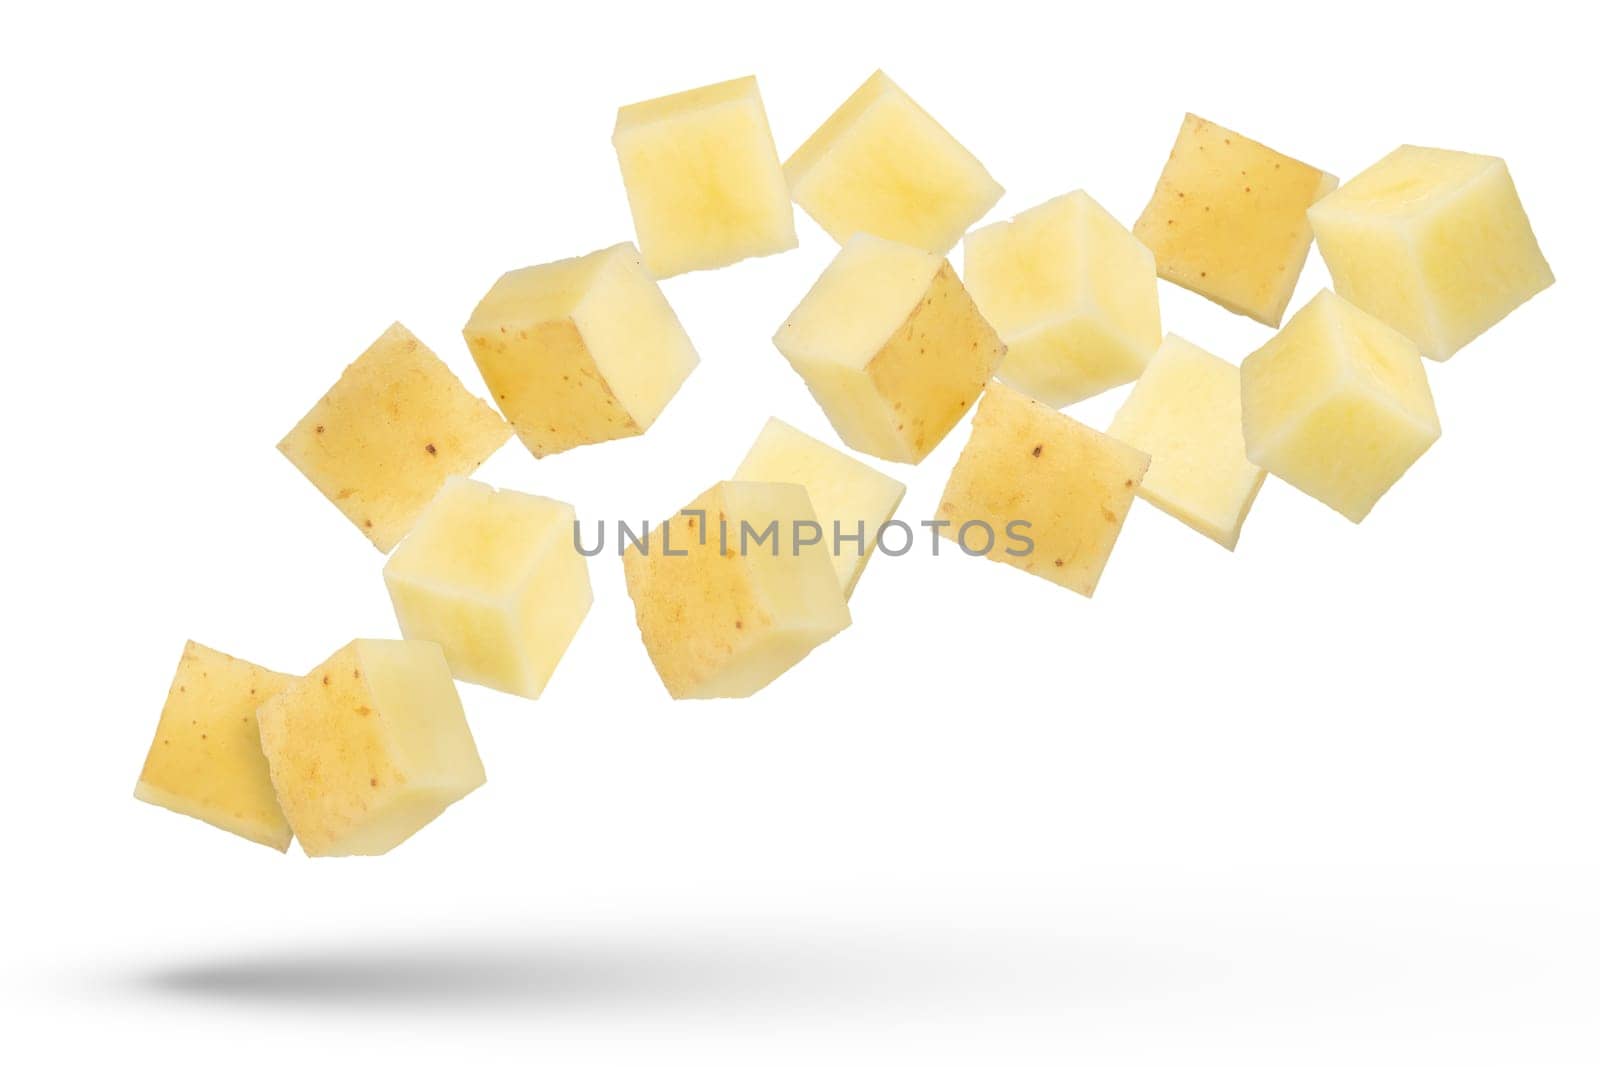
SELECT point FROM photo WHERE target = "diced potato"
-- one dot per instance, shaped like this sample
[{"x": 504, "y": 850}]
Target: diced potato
[
  {"x": 369, "y": 748},
  {"x": 703, "y": 178},
  {"x": 733, "y": 591},
  {"x": 1433, "y": 242},
  {"x": 1073, "y": 295},
  {"x": 1337, "y": 405},
  {"x": 882, "y": 165},
  {"x": 891, "y": 346},
  {"x": 1228, "y": 219},
  {"x": 581, "y": 350},
  {"x": 206, "y": 759},
  {"x": 1185, "y": 414},
  {"x": 1040, "y": 491},
  {"x": 852, "y": 500},
  {"x": 496, "y": 580},
  {"x": 394, "y": 426}
]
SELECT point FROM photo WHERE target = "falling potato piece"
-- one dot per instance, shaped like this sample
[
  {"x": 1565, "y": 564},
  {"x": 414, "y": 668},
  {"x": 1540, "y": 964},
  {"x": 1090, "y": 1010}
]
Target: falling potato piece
[
  {"x": 1337, "y": 405},
  {"x": 369, "y": 748},
  {"x": 1072, "y": 294},
  {"x": 1228, "y": 219},
  {"x": 1185, "y": 414},
  {"x": 581, "y": 350},
  {"x": 891, "y": 346},
  {"x": 206, "y": 760},
  {"x": 383, "y": 440},
  {"x": 1039, "y": 490},
  {"x": 1433, "y": 242}
]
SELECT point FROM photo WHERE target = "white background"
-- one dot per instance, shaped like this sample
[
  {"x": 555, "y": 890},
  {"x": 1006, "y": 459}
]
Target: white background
[{"x": 1330, "y": 799}]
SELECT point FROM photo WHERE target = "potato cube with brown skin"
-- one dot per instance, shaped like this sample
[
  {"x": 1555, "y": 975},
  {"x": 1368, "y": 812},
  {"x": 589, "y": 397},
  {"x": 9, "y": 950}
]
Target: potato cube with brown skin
[
  {"x": 1039, "y": 490},
  {"x": 734, "y": 590},
  {"x": 383, "y": 440},
  {"x": 206, "y": 759},
  {"x": 369, "y": 747},
  {"x": 891, "y": 346},
  {"x": 1228, "y": 219},
  {"x": 581, "y": 350}
]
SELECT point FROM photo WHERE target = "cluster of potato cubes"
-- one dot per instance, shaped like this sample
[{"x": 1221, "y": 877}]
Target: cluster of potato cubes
[{"x": 1427, "y": 249}]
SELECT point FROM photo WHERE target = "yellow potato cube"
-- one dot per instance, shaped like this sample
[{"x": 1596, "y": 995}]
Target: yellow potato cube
[
  {"x": 581, "y": 350},
  {"x": 394, "y": 426},
  {"x": 1073, "y": 295},
  {"x": 734, "y": 590},
  {"x": 703, "y": 178},
  {"x": 1185, "y": 414},
  {"x": 206, "y": 759},
  {"x": 1337, "y": 405},
  {"x": 1435, "y": 243},
  {"x": 496, "y": 580},
  {"x": 369, "y": 748},
  {"x": 891, "y": 346},
  {"x": 882, "y": 165},
  {"x": 852, "y": 501},
  {"x": 1039, "y": 490},
  {"x": 1228, "y": 219}
]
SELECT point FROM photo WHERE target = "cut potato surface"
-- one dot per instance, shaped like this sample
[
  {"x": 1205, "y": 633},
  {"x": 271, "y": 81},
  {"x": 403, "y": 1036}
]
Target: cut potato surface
[
  {"x": 383, "y": 440},
  {"x": 733, "y": 591},
  {"x": 891, "y": 346},
  {"x": 1228, "y": 219},
  {"x": 369, "y": 747},
  {"x": 703, "y": 178},
  {"x": 581, "y": 350},
  {"x": 1185, "y": 414},
  {"x": 206, "y": 759},
  {"x": 882, "y": 165},
  {"x": 1040, "y": 491},
  {"x": 1072, "y": 294},
  {"x": 1337, "y": 405},
  {"x": 1433, "y": 242},
  {"x": 852, "y": 501}
]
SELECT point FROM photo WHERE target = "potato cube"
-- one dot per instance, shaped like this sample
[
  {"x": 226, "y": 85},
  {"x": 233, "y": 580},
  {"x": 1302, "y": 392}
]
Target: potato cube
[
  {"x": 206, "y": 759},
  {"x": 581, "y": 350},
  {"x": 1337, "y": 405},
  {"x": 1073, "y": 295},
  {"x": 1435, "y": 243},
  {"x": 1228, "y": 219},
  {"x": 1184, "y": 413},
  {"x": 734, "y": 590},
  {"x": 852, "y": 501},
  {"x": 703, "y": 178},
  {"x": 1039, "y": 490},
  {"x": 495, "y": 579},
  {"x": 369, "y": 748},
  {"x": 394, "y": 426},
  {"x": 882, "y": 165},
  {"x": 891, "y": 346}
]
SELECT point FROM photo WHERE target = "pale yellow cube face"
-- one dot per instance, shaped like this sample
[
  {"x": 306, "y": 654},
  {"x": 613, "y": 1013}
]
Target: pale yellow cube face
[
  {"x": 1435, "y": 243},
  {"x": 1228, "y": 219},
  {"x": 882, "y": 165},
  {"x": 852, "y": 501},
  {"x": 369, "y": 747},
  {"x": 703, "y": 178},
  {"x": 496, "y": 580},
  {"x": 734, "y": 590},
  {"x": 1072, "y": 294},
  {"x": 1040, "y": 491},
  {"x": 581, "y": 350},
  {"x": 1184, "y": 413},
  {"x": 891, "y": 346},
  {"x": 206, "y": 759},
  {"x": 1337, "y": 405},
  {"x": 383, "y": 440}
]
